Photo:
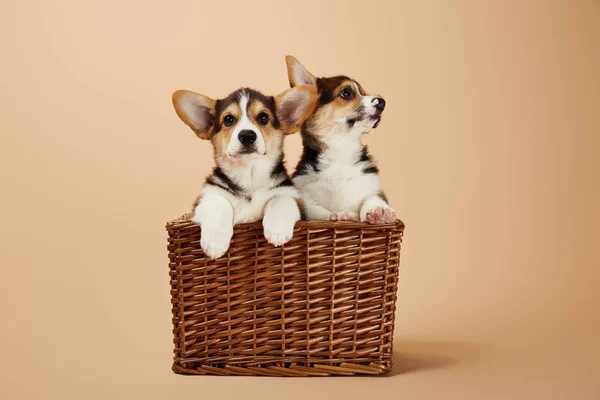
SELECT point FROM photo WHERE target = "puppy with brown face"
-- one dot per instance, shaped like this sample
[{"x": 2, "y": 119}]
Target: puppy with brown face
[
  {"x": 336, "y": 175},
  {"x": 250, "y": 181}
]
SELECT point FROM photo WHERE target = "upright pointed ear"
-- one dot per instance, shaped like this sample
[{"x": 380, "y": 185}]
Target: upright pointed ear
[
  {"x": 294, "y": 106},
  {"x": 298, "y": 74},
  {"x": 196, "y": 110}
]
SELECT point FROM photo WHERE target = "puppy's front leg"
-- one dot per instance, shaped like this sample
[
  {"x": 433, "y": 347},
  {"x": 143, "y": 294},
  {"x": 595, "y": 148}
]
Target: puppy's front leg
[
  {"x": 375, "y": 210},
  {"x": 318, "y": 212},
  {"x": 313, "y": 210},
  {"x": 214, "y": 214},
  {"x": 281, "y": 214}
]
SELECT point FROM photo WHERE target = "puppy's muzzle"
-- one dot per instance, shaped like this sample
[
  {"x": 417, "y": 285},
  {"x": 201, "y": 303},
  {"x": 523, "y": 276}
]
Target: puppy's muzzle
[{"x": 379, "y": 104}]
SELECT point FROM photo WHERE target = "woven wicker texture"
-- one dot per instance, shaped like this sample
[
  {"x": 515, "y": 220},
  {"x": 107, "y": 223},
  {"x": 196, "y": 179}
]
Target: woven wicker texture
[{"x": 323, "y": 304}]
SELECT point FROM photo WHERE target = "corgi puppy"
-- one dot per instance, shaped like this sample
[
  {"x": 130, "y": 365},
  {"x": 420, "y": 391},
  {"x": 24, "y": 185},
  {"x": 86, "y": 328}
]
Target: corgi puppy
[
  {"x": 250, "y": 181},
  {"x": 336, "y": 176}
]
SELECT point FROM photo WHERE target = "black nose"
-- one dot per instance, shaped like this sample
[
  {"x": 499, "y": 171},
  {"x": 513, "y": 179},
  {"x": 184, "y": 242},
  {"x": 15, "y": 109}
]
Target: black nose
[
  {"x": 247, "y": 136},
  {"x": 379, "y": 103}
]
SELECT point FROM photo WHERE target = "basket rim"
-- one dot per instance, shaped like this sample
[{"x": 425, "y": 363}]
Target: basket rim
[{"x": 185, "y": 220}]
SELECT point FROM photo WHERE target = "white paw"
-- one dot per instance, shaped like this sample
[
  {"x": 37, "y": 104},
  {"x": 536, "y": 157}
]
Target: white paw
[
  {"x": 343, "y": 216},
  {"x": 215, "y": 241},
  {"x": 278, "y": 231},
  {"x": 380, "y": 215}
]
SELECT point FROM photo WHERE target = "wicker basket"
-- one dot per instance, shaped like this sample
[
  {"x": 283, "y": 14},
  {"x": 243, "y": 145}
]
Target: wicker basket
[{"x": 323, "y": 304}]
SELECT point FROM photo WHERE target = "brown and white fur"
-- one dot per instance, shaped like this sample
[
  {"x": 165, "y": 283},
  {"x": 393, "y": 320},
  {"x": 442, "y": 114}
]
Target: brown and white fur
[
  {"x": 249, "y": 182},
  {"x": 336, "y": 176}
]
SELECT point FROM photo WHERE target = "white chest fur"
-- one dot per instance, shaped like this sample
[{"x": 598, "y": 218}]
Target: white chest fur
[
  {"x": 338, "y": 185},
  {"x": 253, "y": 210},
  {"x": 255, "y": 178}
]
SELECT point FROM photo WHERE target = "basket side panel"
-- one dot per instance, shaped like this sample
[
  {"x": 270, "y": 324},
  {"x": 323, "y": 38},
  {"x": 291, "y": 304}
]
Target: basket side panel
[{"x": 172, "y": 249}]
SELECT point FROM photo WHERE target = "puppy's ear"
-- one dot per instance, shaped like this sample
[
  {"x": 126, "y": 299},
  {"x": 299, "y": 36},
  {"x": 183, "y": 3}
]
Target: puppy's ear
[
  {"x": 196, "y": 110},
  {"x": 298, "y": 74},
  {"x": 294, "y": 106}
]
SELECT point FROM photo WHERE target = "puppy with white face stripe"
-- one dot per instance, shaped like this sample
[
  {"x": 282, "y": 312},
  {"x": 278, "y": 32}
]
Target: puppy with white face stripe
[
  {"x": 249, "y": 182},
  {"x": 336, "y": 175}
]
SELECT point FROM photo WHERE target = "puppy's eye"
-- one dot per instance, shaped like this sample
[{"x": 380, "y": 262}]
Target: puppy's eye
[
  {"x": 263, "y": 118},
  {"x": 229, "y": 120},
  {"x": 347, "y": 94}
]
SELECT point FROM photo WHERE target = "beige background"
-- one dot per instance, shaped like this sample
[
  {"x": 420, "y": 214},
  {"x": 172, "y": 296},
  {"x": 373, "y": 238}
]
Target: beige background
[{"x": 489, "y": 150}]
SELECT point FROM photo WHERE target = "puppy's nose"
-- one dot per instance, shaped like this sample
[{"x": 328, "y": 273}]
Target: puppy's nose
[
  {"x": 247, "y": 136},
  {"x": 379, "y": 103}
]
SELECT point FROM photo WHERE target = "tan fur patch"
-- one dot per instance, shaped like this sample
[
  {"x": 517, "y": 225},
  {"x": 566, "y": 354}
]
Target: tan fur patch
[
  {"x": 220, "y": 142},
  {"x": 273, "y": 137},
  {"x": 362, "y": 91},
  {"x": 331, "y": 114}
]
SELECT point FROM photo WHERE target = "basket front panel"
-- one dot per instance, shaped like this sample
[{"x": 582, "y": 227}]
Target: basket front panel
[{"x": 324, "y": 301}]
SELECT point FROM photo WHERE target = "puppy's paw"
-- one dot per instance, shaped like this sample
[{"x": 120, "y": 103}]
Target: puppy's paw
[
  {"x": 381, "y": 215},
  {"x": 343, "y": 216},
  {"x": 278, "y": 231},
  {"x": 215, "y": 241}
]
